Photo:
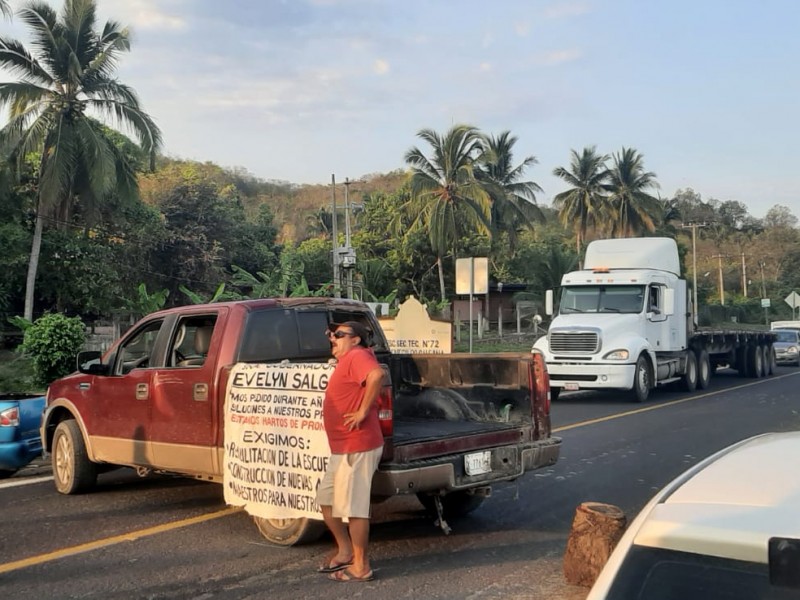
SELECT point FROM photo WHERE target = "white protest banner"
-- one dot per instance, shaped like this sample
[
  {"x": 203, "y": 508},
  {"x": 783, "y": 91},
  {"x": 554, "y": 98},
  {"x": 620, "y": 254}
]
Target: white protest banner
[{"x": 276, "y": 450}]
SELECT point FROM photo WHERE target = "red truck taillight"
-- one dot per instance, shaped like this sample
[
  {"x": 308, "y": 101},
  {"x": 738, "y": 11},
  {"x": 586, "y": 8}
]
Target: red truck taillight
[
  {"x": 385, "y": 409},
  {"x": 542, "y": 377}
]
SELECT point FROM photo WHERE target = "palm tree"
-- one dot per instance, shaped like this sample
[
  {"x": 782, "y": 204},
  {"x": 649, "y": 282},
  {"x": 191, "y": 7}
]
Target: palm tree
[
  {"x": 5, "y": 9},
  {"x": 583, "y": 203},
  {"x": 513, "y": 201},
  {"x": 634, "y": 210},
  {"x": 69, "y": 75},
  {"x": 445, "y": 191}
]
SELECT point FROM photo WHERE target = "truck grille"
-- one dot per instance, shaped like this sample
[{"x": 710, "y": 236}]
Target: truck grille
[{"x": 574, "y": 342}]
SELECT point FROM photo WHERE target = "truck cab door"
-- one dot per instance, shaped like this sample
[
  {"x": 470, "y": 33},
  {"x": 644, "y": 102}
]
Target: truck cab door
[
  {"x": 183, "y": 429},
  {"x": 120, "y": 402}
]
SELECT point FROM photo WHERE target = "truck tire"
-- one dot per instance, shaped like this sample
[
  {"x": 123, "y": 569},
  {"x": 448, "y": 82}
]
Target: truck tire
[
  {"x": 290, "y": 532},
  {"x": 755, "y": 362},
  {"x": 641, "y": 380},
  {"x": 766, "y": 353},
  {"x": 703, "y": 369},
  {"x": 6, "y": 473},
  {"x": 689, "y": 379},
  {"x": 554, "y": 394},
  {"x": 454, "y": 504},
  {"x": 73, "y": 472}
]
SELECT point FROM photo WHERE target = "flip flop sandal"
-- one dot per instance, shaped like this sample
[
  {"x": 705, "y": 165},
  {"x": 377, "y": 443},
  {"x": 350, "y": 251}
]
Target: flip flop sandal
[
  {"x": 346, "y": 575},
  {"x": 332, "y": 567}
]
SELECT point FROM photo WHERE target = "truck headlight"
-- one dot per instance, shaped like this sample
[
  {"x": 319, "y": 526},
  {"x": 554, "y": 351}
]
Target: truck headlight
[
  {"x": 617, "y": 355},
  {"x": 791, "y": 350}
]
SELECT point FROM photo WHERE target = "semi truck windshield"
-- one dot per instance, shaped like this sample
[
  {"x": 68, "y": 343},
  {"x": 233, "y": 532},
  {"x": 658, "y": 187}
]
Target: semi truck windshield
[{"x": 602, "y": 298}]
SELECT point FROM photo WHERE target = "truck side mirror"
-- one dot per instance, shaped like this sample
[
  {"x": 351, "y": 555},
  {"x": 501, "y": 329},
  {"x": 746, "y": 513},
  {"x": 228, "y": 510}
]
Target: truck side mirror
[
  {"x": 548, "y": 302},
  {"x": 669, "y": 302},
  {"x": 89, "y": 363}
]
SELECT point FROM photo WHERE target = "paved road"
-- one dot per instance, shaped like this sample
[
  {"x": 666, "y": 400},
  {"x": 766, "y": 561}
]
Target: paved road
[{"x": 173, "y": 538}]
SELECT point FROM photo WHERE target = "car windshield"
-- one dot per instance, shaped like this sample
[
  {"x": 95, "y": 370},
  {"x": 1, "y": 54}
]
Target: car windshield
[
  {"x": 659, "y": 574},
  {"x": 602, "y": 298},
  {"x": 787, "y": 336}
]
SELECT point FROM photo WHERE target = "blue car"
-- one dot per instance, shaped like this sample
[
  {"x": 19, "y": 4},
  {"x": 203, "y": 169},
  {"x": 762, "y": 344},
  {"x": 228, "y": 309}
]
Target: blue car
[{"x": 20, "y": 441}]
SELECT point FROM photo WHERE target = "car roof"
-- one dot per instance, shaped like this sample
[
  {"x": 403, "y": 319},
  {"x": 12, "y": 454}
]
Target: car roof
[{"x": 733, "y": 504}]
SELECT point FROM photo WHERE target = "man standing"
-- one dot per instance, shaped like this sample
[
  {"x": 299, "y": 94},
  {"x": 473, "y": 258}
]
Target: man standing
[{"x": 350, "y": 415}]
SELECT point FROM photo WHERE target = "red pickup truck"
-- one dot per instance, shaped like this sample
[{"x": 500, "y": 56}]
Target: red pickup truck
[{"x": 156, "y": 401}]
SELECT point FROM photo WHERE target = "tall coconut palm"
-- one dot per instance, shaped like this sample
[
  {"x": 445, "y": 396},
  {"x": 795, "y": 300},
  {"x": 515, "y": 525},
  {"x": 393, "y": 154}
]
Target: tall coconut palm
[
  {"x": 445, "y": 191},
  {"x": 513, "y": 201},
  {"x": 583, "y": 203},
  {"x": 635, "y": 211},
  {"x": 65, "y": 85}
]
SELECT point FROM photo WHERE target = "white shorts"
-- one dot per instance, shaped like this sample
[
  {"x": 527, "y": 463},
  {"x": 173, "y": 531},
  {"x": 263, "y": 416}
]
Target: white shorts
[{"x": 346, "y": 485}]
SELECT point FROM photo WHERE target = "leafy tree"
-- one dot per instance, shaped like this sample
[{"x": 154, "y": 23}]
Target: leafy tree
[
  {"x": 145, "y": 302},
  {"x": 52, "y": 342},
  {"x": 634, "y": 210},
  {"x": 444, "y": 187},
  {"x": 581, "y": 206},
  {"x": 70, "y": 73},
  {"x": 513, "y": 201}
]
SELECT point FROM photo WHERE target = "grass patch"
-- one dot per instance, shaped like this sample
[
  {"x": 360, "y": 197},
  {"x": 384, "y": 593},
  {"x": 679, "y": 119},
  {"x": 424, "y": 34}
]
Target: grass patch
[{"x": 16, "y": 374}]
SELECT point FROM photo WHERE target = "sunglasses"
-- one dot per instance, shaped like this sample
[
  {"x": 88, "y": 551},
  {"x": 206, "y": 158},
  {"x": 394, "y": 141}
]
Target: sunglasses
[{"x": 339, "y": 334}]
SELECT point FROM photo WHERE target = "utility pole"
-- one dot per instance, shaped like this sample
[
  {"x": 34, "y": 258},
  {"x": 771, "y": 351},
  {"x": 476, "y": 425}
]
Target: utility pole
[
  {"x": 764, "y": 293},
  {"x": 349, "y": 271},
  {"x": 721, "y": 281},
  {"x": 744, "y": 277},
  {"x": 693, "y": 227},
  {"x": 335, "y": 245}
]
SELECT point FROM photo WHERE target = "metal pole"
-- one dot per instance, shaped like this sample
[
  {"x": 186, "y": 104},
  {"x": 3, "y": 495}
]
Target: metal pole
[
  {"x": 764, "y": 293},
  {"x": 471, "y": 287},
  {"x": 348, "y": 272},
  {"x": 335, "y": 245},
  {"x": 695, "y": 308}
]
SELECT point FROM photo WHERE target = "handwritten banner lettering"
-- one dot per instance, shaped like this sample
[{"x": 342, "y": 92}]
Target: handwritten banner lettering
[{"x": 276, "y": 450}]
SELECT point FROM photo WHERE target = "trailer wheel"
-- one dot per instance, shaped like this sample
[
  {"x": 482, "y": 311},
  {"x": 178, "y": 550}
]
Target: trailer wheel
[
  {"x": 641, "y": 380},
  {"x": 703, "y": 369},
  {"x": 766, "y": 353},
  {"x": 555, "y": 392},
  {"x": 689, "y": 379},
  {"x": 289, "y": 532},
  {"x": 755, "y": 362}
]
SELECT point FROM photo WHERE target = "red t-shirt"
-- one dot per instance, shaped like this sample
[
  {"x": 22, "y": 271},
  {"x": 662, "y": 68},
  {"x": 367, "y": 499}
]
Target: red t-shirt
[{"x": 344, "y": 395}]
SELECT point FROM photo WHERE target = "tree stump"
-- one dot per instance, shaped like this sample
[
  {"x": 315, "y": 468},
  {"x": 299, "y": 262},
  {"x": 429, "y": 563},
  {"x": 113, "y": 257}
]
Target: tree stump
[{"x": 596, "y": 529}]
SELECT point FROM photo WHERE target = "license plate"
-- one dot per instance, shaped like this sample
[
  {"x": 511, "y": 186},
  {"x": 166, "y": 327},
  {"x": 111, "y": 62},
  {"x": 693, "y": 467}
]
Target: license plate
[
  {"x": 478, "y": 463},
  {"x": 571, "y": 387}
]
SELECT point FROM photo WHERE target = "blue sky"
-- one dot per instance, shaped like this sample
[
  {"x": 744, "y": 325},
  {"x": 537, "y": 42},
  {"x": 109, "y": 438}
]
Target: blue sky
[{"x": 707, "y": 90}]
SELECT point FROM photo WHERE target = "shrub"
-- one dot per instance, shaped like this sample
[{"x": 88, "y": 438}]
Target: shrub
[{"x": 52, "y": 343}]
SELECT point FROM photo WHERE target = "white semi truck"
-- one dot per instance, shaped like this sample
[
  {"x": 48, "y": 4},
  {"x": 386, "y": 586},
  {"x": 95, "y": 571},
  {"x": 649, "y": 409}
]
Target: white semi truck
[{"x": 625, "y": 322}]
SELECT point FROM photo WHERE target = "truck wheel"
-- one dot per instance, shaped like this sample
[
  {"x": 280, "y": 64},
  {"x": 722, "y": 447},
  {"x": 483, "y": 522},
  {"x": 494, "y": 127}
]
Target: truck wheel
[
  {"x": 703, "y": 369},
  {"x": 641, "y": 380},
  {"x": 755, "y": 362},
  {"x": 289, "y": 532},
  {"x": 6, "y": 473},
  {"x": 766, "y": 352},
  {"x": 689, "y": 378},
  {"x": 554, "y": 393},
  {"x": 73, "y": 472},
  {"x": 454, "y": 504}
]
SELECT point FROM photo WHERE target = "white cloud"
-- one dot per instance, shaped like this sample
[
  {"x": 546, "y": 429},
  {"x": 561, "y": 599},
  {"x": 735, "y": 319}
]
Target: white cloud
[
  {"x": 561, "y": 10},
  {"x": 522, "y": 29},
  {"x": 485, "y": 67},
  {"x": 380, "y": 67},
  {"x": 145, "y": 15},
  {"x": 557, "y": 57}
]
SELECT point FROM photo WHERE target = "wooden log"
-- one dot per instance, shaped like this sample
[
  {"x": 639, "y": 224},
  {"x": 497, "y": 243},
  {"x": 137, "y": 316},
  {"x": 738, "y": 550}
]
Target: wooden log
[{"x": 596, "y": 529}]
